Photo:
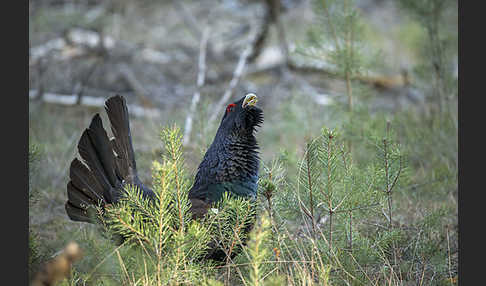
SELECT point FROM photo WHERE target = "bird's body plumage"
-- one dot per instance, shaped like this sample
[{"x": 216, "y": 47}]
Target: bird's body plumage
[{"x": 230, "y": 164}]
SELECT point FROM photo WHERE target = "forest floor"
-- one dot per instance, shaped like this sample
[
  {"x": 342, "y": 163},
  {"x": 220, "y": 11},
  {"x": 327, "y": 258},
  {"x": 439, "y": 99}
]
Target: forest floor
[{"x": 153, "y": 62}]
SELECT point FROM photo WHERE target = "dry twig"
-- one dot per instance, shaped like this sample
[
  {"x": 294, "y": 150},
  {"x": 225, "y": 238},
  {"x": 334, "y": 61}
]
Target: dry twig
[
  {"x": 201, "y": 76},
  {"x": 234, "y": 81}
]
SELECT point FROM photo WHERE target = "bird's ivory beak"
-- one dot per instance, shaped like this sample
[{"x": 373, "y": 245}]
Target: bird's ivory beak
[{"x": 250, "y": 100}]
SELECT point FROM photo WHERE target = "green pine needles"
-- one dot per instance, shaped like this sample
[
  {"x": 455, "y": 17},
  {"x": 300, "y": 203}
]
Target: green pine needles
[
  {"x": 336, "y": 223},
  {"x": 336, "y": 42},
  {"x": 337, "y": 202},
  {"x": 171, "y": 246},
  {"x": 330, "y": 184},
  {"x": 338, "y": 220}
]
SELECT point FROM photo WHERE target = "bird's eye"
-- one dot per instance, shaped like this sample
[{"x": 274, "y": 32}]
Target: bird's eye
[{"x": 230, "y": 107}]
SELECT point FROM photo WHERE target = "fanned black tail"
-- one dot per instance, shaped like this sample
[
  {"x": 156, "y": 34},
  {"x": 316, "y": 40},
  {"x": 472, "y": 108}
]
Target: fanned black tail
[{"x": 108, "y": 165}]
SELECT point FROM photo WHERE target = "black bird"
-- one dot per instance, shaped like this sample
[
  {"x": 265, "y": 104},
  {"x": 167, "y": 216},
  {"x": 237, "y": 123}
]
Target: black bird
[{"x": 230, "y": 164}]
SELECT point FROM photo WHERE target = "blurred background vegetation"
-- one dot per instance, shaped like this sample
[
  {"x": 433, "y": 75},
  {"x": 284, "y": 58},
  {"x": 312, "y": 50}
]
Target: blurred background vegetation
[{"x": 382, "y": 75}]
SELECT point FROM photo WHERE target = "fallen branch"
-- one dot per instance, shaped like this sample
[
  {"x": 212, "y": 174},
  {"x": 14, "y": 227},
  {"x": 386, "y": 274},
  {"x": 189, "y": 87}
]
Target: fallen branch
[
  {"x": 308, "y": 68},
  {"x": 272, "y": 59},
  {"x": 71, "y": 99},
  {"x": 381, "y": 82},
  {"x": 89, "y": 39},
  {"x": 201, "y": 76}
]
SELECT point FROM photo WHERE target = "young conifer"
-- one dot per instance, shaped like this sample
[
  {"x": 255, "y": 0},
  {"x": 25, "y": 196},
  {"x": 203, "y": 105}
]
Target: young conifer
[
  {"x": 336, "y": 42},
  {"x": 162, "y": 236}
]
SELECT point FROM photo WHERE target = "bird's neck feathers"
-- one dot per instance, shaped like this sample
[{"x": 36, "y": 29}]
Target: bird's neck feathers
[
  {"x": 239, "y": 157},
  {"x": 229, "y": 165}
]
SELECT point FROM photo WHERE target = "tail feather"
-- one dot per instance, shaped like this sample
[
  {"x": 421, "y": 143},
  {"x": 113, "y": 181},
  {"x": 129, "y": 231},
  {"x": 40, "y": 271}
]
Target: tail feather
[
  {"x": 93, "y": 184},
  {"x": 106, "y": 165},
  {"x": 83, "y": 179},
  {"x": 79, "y": 206},
  {"x": 77, "y": 214},
  {"x": 96, "y": 146},
  {"x": 78, "y": 198},
  {"x": 89, "y": 156},
  {"x": 117, "y": 111},
  {"x": 83, "y": 191}
]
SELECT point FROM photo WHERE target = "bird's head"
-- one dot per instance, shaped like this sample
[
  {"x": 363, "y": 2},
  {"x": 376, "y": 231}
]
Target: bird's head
[
  {"x": 231, "y": 163},
  {"x": 242, "y": 117}
]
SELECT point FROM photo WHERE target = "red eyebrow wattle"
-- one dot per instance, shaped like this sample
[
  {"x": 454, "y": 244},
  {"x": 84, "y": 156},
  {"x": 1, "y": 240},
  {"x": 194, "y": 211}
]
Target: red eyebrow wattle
[{"x": 228, "y": 108}]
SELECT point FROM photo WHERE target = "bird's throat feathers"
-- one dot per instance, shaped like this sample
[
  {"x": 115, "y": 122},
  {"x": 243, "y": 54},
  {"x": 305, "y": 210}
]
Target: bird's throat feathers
[{"x": 230, "y": 164}]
